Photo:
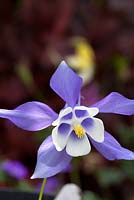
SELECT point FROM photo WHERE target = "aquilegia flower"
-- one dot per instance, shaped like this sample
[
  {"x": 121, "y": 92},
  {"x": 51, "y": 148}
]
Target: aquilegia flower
[{"x": 76, "y": 126}]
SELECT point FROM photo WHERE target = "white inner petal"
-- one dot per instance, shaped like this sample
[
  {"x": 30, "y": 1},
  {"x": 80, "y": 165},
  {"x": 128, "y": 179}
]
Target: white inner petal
[
  {"x": 78, "y": 146},
  {"x": 62, "y": 136},
  {"x": 96, "y": 130},
  {"x": 91, "y": 111},
  {"x": 62, "y": 113},
  {"x": 59, "y": 139}
]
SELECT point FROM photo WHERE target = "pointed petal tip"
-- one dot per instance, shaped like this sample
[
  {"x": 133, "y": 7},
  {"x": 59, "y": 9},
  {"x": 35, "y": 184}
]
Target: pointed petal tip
[
  {"x": 63, "y": 62},
  {"x": 131, "y": 155},
  {"x": 66, "y": 83},
  {"x": 115, "y": 103},
  {"x": 32, "y": 177},
  {"x": 50, "y": 161},
  {"x": 31, "y": 116}
]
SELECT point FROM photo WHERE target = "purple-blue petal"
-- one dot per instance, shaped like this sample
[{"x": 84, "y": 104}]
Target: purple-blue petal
[
  {"x": 66, "y": 83},
  {"x": 14, "y": 169},
  {"x": 32, "y": 116},
  {"x": 111, "y": 149},
  {"x": 81, "y": 113},
  {"x": 116, "y": 103},
  {"x": 68, "y": 116},
  {"x": 50, "y": 161}
]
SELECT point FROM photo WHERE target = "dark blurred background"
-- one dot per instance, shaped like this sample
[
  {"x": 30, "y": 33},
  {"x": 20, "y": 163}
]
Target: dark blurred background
[{"x": 96, "y": 38}]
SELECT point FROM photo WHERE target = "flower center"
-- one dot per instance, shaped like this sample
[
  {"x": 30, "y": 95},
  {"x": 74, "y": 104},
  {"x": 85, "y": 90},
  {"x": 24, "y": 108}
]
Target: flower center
[{"x": 79, "y": 131}]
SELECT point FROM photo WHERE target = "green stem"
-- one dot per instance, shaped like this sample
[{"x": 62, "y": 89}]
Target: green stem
[{"x": 42, "y": 189}]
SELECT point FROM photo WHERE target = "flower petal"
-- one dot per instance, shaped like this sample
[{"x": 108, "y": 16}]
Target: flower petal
[
  {"x": 112, "y": 150},
  {"x": 94, "y": 128},
  {"x": 63, "y": 115},
  {"x": 116, "y": 103},
  {"x": 77, "y": 146},
  {"x": 69, "y": 192},
  {"x": 30, "y": 116},
  {"x": 66, "y": 84},
  {"x": 60, "y": 136},
  {"x": 83, "y": 110},
  {"x": 49, "y": 160},
  {"x": 14, "y": 168}
]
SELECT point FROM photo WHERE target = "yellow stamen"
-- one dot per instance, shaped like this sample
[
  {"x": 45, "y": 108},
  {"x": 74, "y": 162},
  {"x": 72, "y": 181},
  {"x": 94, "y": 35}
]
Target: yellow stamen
[{"x": 79, "y": 131}]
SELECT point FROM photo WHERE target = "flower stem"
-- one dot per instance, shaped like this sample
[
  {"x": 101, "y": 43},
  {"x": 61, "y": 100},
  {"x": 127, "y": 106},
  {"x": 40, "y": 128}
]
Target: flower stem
[{"x": 42, "y": 189}]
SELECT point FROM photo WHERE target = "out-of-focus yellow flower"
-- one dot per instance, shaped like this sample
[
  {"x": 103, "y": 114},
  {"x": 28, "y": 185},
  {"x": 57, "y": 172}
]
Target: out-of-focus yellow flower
[{"x": 83, "y": 60}]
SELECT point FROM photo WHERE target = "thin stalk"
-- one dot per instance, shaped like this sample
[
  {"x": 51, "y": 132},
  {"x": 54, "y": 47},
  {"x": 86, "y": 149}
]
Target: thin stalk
[{"x": 42, "y": 189}]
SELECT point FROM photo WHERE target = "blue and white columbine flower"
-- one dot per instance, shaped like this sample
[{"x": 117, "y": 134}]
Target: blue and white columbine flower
[{"x": 76, "y": 126}]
